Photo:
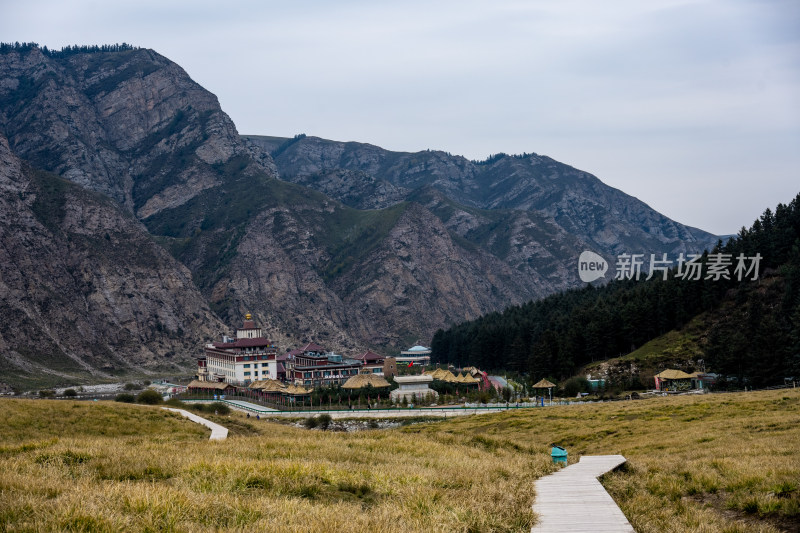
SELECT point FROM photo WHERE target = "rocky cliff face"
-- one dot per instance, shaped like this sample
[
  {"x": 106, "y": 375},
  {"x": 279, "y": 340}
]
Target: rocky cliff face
[
  {"x": 131, "y": 125},
  {"x": 84, "y": 291},
  {"x": 353, "y": 247},
  {"x": 600, "y": 216}
]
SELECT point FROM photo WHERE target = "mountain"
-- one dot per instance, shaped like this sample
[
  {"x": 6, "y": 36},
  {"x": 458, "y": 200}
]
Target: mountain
[
  {"x": 346, "y": 244},
  {"x": 367, "y": 176},
  {"x": 743, "y": 324},
  {"x": 84, "y": 291}
]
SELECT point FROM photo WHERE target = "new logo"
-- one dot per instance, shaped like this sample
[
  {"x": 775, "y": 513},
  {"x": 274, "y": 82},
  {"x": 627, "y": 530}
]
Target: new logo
[{"x": 591, "y": 267}]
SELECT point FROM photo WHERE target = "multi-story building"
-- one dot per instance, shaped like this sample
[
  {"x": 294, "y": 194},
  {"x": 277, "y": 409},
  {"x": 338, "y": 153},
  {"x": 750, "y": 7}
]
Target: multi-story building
[
  {"x": 313, "y": 366},
  {"x": 248, "y": 357},
  {"x": 371, "y": 362},
  {"x": 416, "y": 355}
]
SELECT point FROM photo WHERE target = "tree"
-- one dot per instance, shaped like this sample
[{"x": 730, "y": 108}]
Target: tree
[{"x": 149, "y": 397}]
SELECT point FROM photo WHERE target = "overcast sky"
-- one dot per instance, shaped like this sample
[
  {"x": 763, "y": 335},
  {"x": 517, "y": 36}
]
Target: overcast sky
[{"x": 691, "y": 106}]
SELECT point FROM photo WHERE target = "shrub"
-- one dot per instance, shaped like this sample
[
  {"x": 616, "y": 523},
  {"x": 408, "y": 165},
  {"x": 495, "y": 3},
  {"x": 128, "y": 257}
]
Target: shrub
[
  {"x": 174, "y": 402},
  {"x": 125, "y": 398},
  {"x": 324, "y": 420},
  {"x": 70, "y": 393},
  {"x": 46, "y": 393},
  {"x": 132, "y": 386},
  {"x": 149, "y": 397},
  {"x": 575, "y": 385},
  {"x": 218, "y": 408}
]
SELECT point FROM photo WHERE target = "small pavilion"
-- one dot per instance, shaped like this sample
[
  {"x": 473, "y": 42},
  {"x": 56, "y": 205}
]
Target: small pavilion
[
  {"x": 544, "y": 384},
  {"x": 673, "y": 380},
  {"x": 413, "y": 387}
]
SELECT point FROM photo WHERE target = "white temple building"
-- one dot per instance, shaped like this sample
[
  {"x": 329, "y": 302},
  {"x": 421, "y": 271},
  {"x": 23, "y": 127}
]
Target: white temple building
[{"x": 413, "y": 388}]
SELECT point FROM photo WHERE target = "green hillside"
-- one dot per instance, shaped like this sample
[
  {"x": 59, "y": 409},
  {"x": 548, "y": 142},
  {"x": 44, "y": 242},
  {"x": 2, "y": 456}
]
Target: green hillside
[
  {"x": 750, "y": 331},
  {"x": 677, "y": 349}
]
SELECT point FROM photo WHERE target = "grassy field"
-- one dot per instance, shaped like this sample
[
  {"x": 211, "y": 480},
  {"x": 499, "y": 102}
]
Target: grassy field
[
  {"x": 679, "y": 349},
  {"x": 727, "y": 462}
]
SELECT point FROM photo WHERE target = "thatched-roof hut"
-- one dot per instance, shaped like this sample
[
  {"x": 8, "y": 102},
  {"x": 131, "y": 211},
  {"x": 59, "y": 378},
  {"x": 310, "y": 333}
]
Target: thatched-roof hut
[
  {"x": 469, "y": 380},
  {"x": 673, "y": 380},
  {"x": 544, "y": 384},
  {"x": 363, "y": 380},
  {"x": 268, "y": 385},
  {"x": 448, "y": 376},
  {"x": 214, "y": 387},
  {"x": 296, "y": 390}
]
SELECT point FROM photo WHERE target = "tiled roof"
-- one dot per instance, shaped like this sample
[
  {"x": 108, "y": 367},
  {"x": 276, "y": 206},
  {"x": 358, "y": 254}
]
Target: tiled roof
[
  {"x": 369, "y": 356},
  {"x": 311, "y": 347}
]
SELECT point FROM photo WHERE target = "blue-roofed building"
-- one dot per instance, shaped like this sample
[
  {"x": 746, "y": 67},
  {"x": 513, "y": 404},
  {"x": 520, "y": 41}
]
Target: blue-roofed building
[{"x": 416, "y": 355}]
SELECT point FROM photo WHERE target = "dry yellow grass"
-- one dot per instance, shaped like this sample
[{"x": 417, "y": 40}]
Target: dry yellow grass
[
  {"x": 711, "y": 463},
  {"x": 708, "y": 463},
  {"x": 279, "y": 478}
]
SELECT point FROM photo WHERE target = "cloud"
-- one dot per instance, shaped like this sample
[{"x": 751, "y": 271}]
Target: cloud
[{"x": 652, "y": 96}]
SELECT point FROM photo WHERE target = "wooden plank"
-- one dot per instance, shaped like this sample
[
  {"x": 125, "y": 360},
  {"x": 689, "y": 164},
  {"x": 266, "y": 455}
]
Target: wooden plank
[{"x": 572, "y": 499}]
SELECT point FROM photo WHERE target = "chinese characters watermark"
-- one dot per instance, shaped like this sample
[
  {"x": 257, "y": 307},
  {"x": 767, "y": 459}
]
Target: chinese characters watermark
[{"x": 717, "y": 266}]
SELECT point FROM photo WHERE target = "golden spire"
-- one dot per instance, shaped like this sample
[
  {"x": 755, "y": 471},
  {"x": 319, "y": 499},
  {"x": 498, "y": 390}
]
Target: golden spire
[{"x": 248, "y": 316}]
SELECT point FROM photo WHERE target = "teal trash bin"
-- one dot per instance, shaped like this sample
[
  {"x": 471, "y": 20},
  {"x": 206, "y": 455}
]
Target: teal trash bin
[{"x": 559, "y": 455}]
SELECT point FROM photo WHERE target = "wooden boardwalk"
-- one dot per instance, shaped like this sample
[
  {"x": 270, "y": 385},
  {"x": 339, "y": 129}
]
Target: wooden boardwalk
[
  {"x": 573, "y": 499},
  {"x": 217, "y": 432}
]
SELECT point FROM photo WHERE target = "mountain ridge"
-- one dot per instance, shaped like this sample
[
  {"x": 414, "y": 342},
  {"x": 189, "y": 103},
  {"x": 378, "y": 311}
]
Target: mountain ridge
[
  {"x": 500, "y": 182},
  {"x": 369, "y": 248}
]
